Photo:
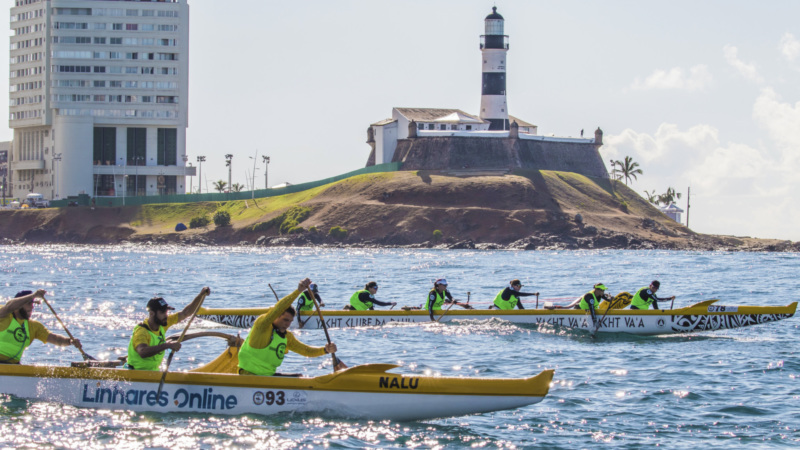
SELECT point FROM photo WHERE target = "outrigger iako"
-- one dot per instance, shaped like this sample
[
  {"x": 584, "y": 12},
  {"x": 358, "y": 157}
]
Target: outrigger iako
[{"x": 703, "y": 316}]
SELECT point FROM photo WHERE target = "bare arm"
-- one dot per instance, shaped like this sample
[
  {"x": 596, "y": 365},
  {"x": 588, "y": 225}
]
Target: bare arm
[
  {"x": 146, "y": 351},
  {"x": 17, "y": 303},
  {"x": 62, "y": 341},
  {"x": 192, "y": 307}
]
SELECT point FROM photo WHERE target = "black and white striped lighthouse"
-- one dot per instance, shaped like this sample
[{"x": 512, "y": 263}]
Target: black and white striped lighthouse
[{"x": 494, "y": 46}]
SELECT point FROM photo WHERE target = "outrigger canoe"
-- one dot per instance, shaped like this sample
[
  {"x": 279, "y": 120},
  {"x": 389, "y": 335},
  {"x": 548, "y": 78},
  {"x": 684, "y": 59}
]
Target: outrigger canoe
[
  {"x": 703, "y": 316},
  {"x": 363, "y": 392}
]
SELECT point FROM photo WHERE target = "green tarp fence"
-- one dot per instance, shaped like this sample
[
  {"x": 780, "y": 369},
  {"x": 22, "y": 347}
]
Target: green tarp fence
[{"x": 85, "y": 200}]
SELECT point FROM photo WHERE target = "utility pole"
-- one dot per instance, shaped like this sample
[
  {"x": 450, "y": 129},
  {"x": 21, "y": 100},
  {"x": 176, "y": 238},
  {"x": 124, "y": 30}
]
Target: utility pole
[
  {"x": 688, "y": 197},
  {"x": 266, "y": 170},
  {"x": 200, "y": 160},
  {"x": 229, "y": 164},
  {"x": 191, "y": 180},
  {"x": 253, "y": 177},
  {"x": 57, "y": 162}
]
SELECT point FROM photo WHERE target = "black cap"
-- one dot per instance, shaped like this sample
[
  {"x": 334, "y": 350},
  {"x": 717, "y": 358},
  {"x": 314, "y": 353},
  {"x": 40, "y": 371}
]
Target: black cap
[
  {"x": 23, "y": 294},
  {"x": 314, "y": 288},
  {"x": 158, "y": 304},
  {"x": 656, "y": 284}
]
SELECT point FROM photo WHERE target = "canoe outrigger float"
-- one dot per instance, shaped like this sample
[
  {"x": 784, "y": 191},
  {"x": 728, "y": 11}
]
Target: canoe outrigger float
[
  {"x": 703, "y": 316},
  {"x": 365, "y": 392}
]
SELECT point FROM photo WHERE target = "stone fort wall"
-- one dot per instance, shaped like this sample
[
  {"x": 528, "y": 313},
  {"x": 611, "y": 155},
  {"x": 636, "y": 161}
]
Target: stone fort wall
[{"x": 453, "y": 153}]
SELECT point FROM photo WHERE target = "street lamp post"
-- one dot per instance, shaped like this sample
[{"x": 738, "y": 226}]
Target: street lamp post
[
  {"x": 136, "y": 160},
  {"x": 266, "y": 170},
  {"x": 253, "y": 176},
  {"x": 57, "y": 162},
  {"x": 229, "y": 164},
  {"x": 200, "y": 160},
  {"x": 191, "y": 179}
]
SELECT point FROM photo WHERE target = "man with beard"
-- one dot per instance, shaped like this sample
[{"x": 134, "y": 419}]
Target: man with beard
[
  {"x": 147, "y": 346},
  {"x": 17, "y": 331}
]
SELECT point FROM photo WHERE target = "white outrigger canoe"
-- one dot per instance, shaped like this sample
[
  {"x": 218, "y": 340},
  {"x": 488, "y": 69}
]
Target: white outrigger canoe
[
  {"x": 364, "y": 392},
  {"x": 703, "y": 316}
]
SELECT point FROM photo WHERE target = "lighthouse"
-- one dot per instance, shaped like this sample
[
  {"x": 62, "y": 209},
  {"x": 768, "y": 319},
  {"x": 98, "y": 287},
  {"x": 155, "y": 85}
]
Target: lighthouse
[{"x": 494, "y": 46}]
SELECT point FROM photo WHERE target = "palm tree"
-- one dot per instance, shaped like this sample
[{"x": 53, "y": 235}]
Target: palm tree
[
  {"x": 236, "y": 187},
  {"x": 628, "y": 169},
  {"x": 652, "y": 197},
  {"x": 220, "y": 185},
  {"x": 669, "y": 197}
]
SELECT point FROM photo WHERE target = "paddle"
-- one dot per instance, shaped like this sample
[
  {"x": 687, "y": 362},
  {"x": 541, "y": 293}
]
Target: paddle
[
  {"x": 172, "y": 353},
  {"x": 610, "y": 307},
  {"x": 451, "y": 305},
  {"x": 86, "y": 357},
  {"x": 672, "y": 304},
  {"x": 324, "y": 327}
]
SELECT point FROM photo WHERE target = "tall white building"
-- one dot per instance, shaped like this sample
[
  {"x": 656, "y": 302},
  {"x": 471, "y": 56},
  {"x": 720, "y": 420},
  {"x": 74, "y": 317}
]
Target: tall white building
[{"x": 99, "y": 97}]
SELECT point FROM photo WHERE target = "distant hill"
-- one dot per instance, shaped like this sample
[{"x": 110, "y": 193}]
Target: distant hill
[{"x": 527, "y": 209}]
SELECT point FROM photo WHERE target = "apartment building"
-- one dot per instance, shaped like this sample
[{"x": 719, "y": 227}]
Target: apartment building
[{"x": 99, "y": 97}]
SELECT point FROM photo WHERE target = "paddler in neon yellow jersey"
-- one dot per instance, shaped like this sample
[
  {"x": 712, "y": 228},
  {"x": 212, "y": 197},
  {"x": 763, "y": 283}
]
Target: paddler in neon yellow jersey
[
  {"x": 17, "y": 330},
  {"x": 509, "y": 298},
  {"x": 269, "y": 339},
  {"x": 364, "y": 299},
  {"x": 305, "y": 303},
  {"x": 593, "y": 298},
  {"x": 147, "y": 345},
  {"x": 438, "y": 297},
  {"x": 646, "y": 296}
]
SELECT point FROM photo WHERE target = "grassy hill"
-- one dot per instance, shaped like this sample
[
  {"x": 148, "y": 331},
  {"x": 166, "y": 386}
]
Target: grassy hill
[{"x": 526, "y": 209}]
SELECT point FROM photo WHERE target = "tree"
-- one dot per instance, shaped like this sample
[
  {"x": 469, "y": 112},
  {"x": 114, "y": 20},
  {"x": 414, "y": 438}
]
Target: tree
[
  {"x": 236, "y": 187},
  {"x": 651, "y": 197},
  {"x": 220, "y": 185},
  {"x": 628, "y": 169},
  {"x": 669, "y": 197}
]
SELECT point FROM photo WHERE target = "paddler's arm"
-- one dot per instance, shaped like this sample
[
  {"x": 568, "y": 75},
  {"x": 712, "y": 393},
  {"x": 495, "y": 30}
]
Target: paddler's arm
[
  {"x": 431, "y": 301},
  {"x": 300, "y": 348},
  {"x": 17, "y": 303},
  {"x": 261, "y": 333},
  {"x": 380, "y": 303},
  {"x": 192, "y": 307}
]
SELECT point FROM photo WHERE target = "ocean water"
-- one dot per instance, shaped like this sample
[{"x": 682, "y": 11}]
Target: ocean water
[{"x": 719, "y": 389}]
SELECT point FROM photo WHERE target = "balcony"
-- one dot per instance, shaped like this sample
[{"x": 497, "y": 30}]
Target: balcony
[
  {"x": 27, "y": 165},
  {"x": 179, "y": 171}
]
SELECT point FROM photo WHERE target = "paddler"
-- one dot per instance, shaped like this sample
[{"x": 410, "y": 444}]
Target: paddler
[
  {"x": 17, "y": 330},
  {"x": 438, "y": 296},
  {"x": 306, "y": 303},
  {"x": 147, "y": 345},
  {"x": 269, "y": 339},
  {"x": 364, "y": 299},
  {"x": 509, "y": 297},
  {"x": 591, "y": 299},
  {"x": 646, "y": 296}
]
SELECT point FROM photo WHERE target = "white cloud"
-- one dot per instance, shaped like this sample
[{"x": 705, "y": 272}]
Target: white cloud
[
  {"x": 748, "y": 71},
  {"x": 790, "y": 46},
  {"x": 736, "y": 188},
  {"x": 782, "y": 123},
  {"x": 695, "y": 79}
]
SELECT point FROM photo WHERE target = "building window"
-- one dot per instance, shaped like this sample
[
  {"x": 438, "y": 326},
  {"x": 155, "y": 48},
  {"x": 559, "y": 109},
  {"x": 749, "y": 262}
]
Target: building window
[
  {"x": 469, "y": 127},
  {"x": 420, "y": 126},
  {"x": 105, "y": 146},
  {"x": 137, "y": 146},
  {"x": 430, "y": 126},
  {"x": 442, "y": 127},
  {"x": 167, "y": 147}
]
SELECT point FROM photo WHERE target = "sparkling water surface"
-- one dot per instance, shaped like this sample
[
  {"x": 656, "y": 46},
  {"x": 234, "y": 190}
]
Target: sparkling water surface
[{"x": 717, "y": 389}]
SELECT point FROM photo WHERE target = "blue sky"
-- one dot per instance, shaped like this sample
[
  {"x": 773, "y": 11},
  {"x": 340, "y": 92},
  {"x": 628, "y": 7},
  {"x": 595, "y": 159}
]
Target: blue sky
[{"x": 699, "y": 93}]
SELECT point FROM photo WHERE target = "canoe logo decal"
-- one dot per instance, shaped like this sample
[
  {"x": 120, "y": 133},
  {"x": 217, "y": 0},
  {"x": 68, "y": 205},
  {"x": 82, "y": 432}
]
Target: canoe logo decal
[
  {"x": 19, "y": 335},
  {"x": 280, "y": 351},
  {"x": 398, "y": 383},
  {"x": 279, "y": 398},
  {"x": 686, "y": 324},
  {"x": 660, "y": 323},
  {"x": 232, "y": 320}
]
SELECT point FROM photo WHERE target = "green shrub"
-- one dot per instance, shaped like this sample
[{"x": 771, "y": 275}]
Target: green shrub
[
  {"x": 222, "y": 218},
  {"x": 294, "y": 230},
  {"x": 312, "y": 229},
  {"x": 286, "y": 222},
  {"x": 262, "y": 226},
  {"x": 437, "y": 235},
  {"x": 338, "y": 232},
  {"x": 198, "y": 222}
]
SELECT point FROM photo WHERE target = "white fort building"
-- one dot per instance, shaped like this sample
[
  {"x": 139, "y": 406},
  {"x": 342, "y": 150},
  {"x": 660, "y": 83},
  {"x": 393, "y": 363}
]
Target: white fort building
[{"x": 99, "y": 97}]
